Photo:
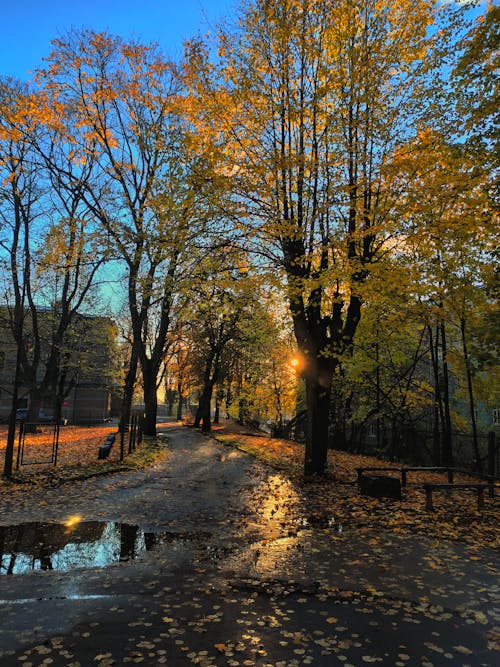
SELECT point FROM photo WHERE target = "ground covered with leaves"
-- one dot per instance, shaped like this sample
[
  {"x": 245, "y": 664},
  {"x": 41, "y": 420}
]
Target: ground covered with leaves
[
  {"x": 76, "y": 456},
  {"x": 456, "y": 515}
]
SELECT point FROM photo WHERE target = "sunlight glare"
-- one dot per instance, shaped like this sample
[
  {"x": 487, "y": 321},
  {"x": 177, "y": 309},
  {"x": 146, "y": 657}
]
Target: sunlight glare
[{"x": 72, "y": 521}]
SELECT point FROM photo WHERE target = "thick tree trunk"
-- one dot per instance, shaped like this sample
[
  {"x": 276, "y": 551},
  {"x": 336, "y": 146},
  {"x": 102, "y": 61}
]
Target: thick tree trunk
[
  {"x": 203, "y": 413},
  {"x": 128, "y": 392},
  {"x": 35, "y": 403},
  {"x": 205, "y": 418},
  {"x": 318, "y": 391}
]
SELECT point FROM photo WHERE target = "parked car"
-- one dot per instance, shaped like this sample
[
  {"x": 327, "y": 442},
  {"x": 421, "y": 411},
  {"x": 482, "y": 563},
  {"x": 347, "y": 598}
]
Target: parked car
[
  {"x": 21, "y": 414},
  {"x": 43, "y": 417}
]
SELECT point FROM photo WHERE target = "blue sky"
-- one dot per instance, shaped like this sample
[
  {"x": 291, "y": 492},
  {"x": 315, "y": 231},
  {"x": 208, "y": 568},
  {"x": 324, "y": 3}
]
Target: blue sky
[{"x": 28, "y": 26}]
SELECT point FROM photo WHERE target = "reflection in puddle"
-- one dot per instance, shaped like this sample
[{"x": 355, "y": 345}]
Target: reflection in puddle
[
  {"x": 63, "y": 547},
  {"x": 267, "y": 558},
  {"x": 276, "y": 501}
]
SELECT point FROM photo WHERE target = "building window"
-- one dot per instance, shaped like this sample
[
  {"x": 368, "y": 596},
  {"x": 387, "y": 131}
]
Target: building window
[{"x": 496, "y": 417}]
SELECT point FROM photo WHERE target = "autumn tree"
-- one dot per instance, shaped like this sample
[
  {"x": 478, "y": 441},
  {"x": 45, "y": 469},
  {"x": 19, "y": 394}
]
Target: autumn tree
[
  {"x": 313, "y": 97},
  {"x": 120, "y": 103},
  {"x": 19, "y": 210},
  {"x": 381, "y": 384},
  {"x": 62, "y": 252},
  {"x": 222, "y": 308},
  {"x": 52, "y": 258},
  {"x": 450, "y": 237},
  {"x": 475, "y": 80},
  {"x": 261, "y": 380}
]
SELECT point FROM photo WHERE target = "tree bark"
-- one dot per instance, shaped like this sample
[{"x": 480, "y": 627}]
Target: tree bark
[
  {"x": 179, "y": 404},
  {"x": 11, "y": 432},
  {"x": 447, "y": 436},
  {"x": 150, "y": 401},
  {"x": 318, "y": 404},
  {"x": 205, "y": 420},
  {"x": 318, "y": 378},
  {"x": 170, "y": 402},
  {"x": 477, "y": 456},
  {"x": 203, "y": 412},
  {"x": 128, "y": 392}
]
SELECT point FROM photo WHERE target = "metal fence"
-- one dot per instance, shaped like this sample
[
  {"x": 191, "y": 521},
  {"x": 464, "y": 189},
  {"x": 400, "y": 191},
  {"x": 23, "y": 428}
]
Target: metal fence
[
  {"x": 409, "y": 445},
  {"x": 44, "y": 453},
  {"x": 419, "y": 447},
  {"x": 38, "y": 444}
]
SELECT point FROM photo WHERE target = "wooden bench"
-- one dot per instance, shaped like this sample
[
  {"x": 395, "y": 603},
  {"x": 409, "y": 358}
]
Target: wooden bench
[
  {"x": 406, "y": 469},
  {"x": 429, "y": 488},
  {"x": 360, "y": 471}
]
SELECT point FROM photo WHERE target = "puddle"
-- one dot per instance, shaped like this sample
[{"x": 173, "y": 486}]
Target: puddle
[{"x": 78, "y": 544}]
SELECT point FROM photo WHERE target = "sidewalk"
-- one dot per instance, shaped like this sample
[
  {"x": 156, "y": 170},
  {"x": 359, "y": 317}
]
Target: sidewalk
[{"x": 243, "y": 573}]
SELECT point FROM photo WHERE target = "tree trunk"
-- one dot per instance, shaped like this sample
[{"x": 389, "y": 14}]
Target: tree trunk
[
  {"x": 11, "y": 433},
  {"x": 219, "y": 396},
  {"x": 477, "y": 456},
  {"x": 205, "y": 418},
  {"x": 179, "y": 404},
  {"x": 199, "y": 411},
  {"x": 170, "y": 403},
  {"x": 242, "y": 411},
  {"x": 447, "y": 437},
  {"x": 318, "y": 419},
  {"x": 35, "y": 403},
  {"x": 203, "y": 412},
  {"x": 438, "y": 414},
  {"x": 128, "y": 392},
  {"x": 150, "y": 401}
]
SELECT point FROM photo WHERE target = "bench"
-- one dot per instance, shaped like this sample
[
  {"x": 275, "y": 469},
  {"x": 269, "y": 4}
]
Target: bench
[
  {"x": 406, "y": 469},
  {"x": 360, "y": 471},
  {"x": 104, "y": 450},
  {"x": 429, "y": 488}
]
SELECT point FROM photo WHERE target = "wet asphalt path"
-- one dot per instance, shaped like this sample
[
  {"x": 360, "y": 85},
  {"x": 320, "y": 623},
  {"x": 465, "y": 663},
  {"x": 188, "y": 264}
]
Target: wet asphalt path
[{"x": 239, "y": 578}]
